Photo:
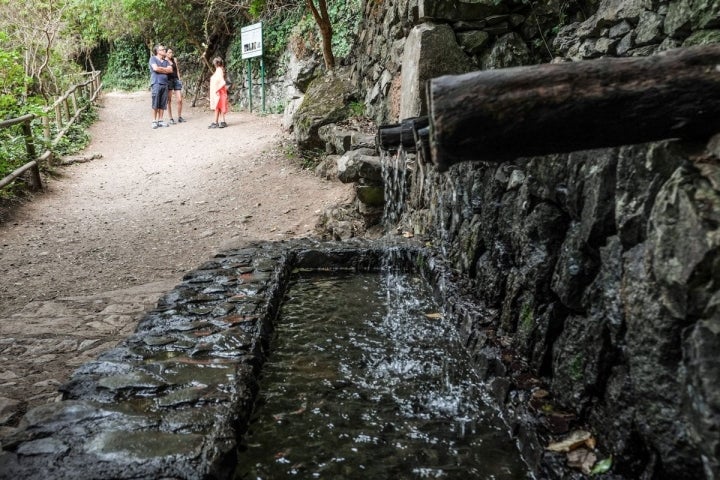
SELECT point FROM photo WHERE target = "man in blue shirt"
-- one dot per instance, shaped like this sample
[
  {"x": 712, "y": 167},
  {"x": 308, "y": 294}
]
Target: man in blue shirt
[{"x": 159, "y": 70}]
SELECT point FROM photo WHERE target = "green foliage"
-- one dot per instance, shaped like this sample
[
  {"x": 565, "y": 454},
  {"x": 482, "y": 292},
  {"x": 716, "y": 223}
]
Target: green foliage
[
  {"x": 577, "y": 367},
  {"x": 12, "y": 149},
  {"x": 13, "y": 81},
  {"x": 64, "y": 75},
  {"x": 52, "y": 39},
  {"x": 276, "y": 27},
  {"x": 278, "y": 107},
  {"x": 13, "y": 85},
  {"x": 345, "y": 17},
  {"x": 309, "y": 159},
  {"x": 77, "y": 137},
  {"x": 357, "y": 109},
  {"x": 306, "y": 159},
  {"x": 140, "y": 12},
  {"x": 255, "y": 8},
  {"x": 526, "y": 318},
  {"x": 294, "y": 27},
  {"x": 127, "y": 67},
  {"x": 86, "y": 18}
]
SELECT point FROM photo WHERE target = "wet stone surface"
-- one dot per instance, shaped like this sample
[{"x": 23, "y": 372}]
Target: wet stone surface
[{"x": 172, "y": 399}]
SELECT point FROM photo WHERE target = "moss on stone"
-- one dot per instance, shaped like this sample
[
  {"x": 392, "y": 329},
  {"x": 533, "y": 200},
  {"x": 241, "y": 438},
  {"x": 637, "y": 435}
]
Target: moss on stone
[{"x": 703, "y": 37}]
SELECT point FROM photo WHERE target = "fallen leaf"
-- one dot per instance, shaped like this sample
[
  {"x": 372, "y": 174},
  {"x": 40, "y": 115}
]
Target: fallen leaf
[
  {"x": 582, "y": 459},
  {"x": 603, "y": 466},
  {"x": 571, "y": 442},
  {"x": 558, "y": 423},
  {"x": 540, "y": 393}
]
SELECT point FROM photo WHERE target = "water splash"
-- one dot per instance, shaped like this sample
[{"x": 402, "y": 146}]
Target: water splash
[
  {"x": 367, "y": 381},
  {"x": 395, "y": 184}
]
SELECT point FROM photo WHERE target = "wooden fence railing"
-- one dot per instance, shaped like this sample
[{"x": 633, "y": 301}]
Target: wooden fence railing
[{"x": 65, "y": 111}]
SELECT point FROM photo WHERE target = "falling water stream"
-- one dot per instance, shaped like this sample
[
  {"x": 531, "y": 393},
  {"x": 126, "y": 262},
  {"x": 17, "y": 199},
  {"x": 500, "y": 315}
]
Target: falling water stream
[{"x": 366, "y": 380}]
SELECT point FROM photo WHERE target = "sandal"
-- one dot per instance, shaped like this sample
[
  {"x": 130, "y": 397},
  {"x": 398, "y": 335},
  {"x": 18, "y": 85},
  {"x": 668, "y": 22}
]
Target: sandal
[
  {"x": 222, "y": 125},
  {"x": 213, "y": 125}
]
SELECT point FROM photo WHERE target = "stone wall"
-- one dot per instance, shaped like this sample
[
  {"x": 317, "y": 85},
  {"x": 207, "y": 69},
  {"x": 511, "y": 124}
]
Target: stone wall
[{"x": 600, "y": 268}]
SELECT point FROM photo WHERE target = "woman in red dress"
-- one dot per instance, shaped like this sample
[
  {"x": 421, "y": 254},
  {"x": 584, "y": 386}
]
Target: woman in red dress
[{"x": 218, "y": 93}]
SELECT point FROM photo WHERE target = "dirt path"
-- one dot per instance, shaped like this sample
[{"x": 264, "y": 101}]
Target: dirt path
[{"x": 81, "y": 262}]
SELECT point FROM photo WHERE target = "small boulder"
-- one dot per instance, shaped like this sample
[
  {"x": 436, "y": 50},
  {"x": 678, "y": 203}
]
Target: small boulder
[
  {"x": 356, "y": 165},
  {"x": 326, "y": 101}
]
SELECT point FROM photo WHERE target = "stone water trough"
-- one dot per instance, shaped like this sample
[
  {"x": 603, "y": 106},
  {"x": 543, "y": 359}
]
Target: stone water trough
[{"x": 174, "y": 399}]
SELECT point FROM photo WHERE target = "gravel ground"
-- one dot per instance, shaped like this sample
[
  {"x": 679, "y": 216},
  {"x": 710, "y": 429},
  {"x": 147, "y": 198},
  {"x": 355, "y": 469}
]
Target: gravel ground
[{"x": 116, "y": 231}]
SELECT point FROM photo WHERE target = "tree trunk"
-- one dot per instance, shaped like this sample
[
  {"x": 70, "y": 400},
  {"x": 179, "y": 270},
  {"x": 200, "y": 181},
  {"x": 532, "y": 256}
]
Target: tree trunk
[
  {"x": 200, "y": 80},
  {"x": 498, "y": 115},
  {"x": 323, "y": 20}
]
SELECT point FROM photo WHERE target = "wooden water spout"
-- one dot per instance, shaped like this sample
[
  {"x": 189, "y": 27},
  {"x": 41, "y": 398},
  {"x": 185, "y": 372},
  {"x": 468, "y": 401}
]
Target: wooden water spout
[
  {"x": 412, "y": 134},
  {"x": 391, "y": 137},
  {"x": 497, "y": 115}
]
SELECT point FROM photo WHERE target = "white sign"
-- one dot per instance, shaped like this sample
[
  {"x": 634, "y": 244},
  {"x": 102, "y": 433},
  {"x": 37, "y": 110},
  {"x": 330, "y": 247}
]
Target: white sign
[{"x": 251, "y": 38}]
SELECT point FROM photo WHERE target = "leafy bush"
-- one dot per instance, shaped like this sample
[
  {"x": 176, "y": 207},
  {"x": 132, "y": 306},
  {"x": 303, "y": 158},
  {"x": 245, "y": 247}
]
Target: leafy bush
[
  {"x": 127, "y": 67},
  {"x": 76, "y": 137},
  {"x": 13, "y": 86},
  {"x": 15, "y": 103},
  {"x": 346, "y": 18},
  {"x": 357, "y": 109},
  {"x": 13, "y": 81}
]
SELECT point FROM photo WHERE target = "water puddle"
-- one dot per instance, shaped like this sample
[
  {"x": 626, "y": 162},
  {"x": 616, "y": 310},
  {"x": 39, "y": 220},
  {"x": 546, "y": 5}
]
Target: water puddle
[{"x": 367, "y": 380}]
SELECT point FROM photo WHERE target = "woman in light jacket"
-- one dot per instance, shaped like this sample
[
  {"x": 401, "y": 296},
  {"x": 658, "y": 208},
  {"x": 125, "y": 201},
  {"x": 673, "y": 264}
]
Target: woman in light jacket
[{"x": 218, "y": 93}]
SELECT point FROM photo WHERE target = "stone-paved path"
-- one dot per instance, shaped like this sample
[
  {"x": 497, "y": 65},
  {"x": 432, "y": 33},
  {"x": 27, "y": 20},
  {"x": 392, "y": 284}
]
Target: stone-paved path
[
  {"x": 81, "y": 262},
  {"x": 46, "y": 340}
]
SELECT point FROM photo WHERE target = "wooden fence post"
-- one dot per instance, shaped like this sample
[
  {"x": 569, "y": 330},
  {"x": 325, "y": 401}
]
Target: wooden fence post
[
  {"x": 66, "y": 104},
  {"x": 58, "y": 117},
  {"x": 46, "y": 128},
  {"x": 35, "y": 180},
  {"x": 74, "y": 103},
  {"x": 61, "y": 105}
]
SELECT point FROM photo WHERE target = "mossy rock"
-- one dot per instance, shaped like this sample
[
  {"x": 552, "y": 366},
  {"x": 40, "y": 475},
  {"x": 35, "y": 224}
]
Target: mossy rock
[
  {"x": 371, "y": 195},
  {"x": 702, "y": 37},
  {"x": 326, "y": 101}
]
